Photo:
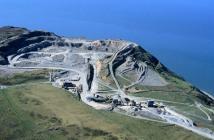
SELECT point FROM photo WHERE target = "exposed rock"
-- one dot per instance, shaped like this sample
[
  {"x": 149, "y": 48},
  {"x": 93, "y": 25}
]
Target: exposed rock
[
  {"x": 3, "y": 61},
  {"x": 121, "y": 57},
  {"x": 34, "y": 47},
  {"x": 15, "y": 41},
  {"x": 90, "y": 75},
  {"x": 8, "y": 31},
  {"x": 58, "y": 58}
]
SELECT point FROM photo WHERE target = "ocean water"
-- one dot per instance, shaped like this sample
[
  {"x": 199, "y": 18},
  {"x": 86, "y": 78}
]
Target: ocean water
[{"x": 178, "y": 32}]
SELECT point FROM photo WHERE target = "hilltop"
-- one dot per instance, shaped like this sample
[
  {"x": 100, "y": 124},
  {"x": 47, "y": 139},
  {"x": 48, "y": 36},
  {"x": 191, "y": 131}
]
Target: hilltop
[{"x": 108, "y": 75}]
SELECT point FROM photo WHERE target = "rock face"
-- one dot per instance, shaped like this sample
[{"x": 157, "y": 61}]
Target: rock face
[
  {"x": 19, "y": 40},
  {"x": 6, "y": 34},
  {"x": 3, "y": 61},
  {"x": 121, "y": 57},
  {"x": 90, "y": 75}
]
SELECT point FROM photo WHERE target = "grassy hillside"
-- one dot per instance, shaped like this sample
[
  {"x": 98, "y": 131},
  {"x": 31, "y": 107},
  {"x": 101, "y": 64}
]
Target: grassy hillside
[
  {"x": 40, "y": 111},
  {"x": 20, "y": 78},
  {"x": 182, "y": 98}
]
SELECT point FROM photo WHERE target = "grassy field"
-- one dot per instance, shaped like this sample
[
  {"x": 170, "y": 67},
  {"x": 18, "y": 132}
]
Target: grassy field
[
  {"x": 167, "y": 96},
  {"x": 177, "y": 91},
  {"x": 182, "y": 103},
  {"x": 40, "y": 111},
  {"x": 28, "y": 76},
  {"x": 194, "y": 114},
  {"x": 122, "y": 82}
]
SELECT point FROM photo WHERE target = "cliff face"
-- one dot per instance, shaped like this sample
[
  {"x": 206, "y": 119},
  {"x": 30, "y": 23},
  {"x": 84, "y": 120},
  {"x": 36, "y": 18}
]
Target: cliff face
[
  {"x": 7, "y": 34},
  {"x": 19, "y": 40},
  {"x": 90, "y": 75}
]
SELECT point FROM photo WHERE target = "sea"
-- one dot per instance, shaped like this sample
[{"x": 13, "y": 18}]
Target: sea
[{"x": 180, "y": 33}]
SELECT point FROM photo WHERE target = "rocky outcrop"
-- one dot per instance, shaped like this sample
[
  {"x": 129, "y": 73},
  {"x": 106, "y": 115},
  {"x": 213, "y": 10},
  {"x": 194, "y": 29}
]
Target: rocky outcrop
[
  {"x": 34, "y": 47},
  {"x": 142, "y": 55},
  {"x": 15, "y": 40},
  {"x": 90, "y": 75},
  {"x": 122, "y": 55},
  {"x": 11, "y": 46},
  {"x": 8, "y": 32},
  {"x": 3, "y": 61}
]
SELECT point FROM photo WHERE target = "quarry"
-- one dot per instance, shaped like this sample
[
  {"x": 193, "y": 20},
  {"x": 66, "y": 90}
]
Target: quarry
[{"x": 95, "y": 72}]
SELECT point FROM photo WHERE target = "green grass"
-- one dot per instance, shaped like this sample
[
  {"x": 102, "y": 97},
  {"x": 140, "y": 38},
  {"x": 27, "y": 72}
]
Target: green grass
[
  {"x": 131, "y": 76},
  {"x": 122, "y": 82},
  {"x": 190, "y": 111},
  {"x": 40, "y": 111},
  {"x": 103, "y": 87},
  {"x": 178, "y": 83},
  {"x": 181, "y": 103},
  {"x": 212, "y": 117},
  {"x": 167, "y": 96},
  {"x": 20, "y": 78},
  {"x": 177, "y": 91}
]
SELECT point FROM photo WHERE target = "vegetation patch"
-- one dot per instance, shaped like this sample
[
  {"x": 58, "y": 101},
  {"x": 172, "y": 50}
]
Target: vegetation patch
[
  {"x": 60, "y": 116},
  {"x": 20, "y": 78}
]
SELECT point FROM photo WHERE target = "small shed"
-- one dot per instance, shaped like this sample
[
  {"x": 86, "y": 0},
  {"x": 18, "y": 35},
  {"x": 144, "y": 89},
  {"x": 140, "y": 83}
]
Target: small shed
[
  {"x": 68, "y": 85},
  {"x": 151, "y": 103}
]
